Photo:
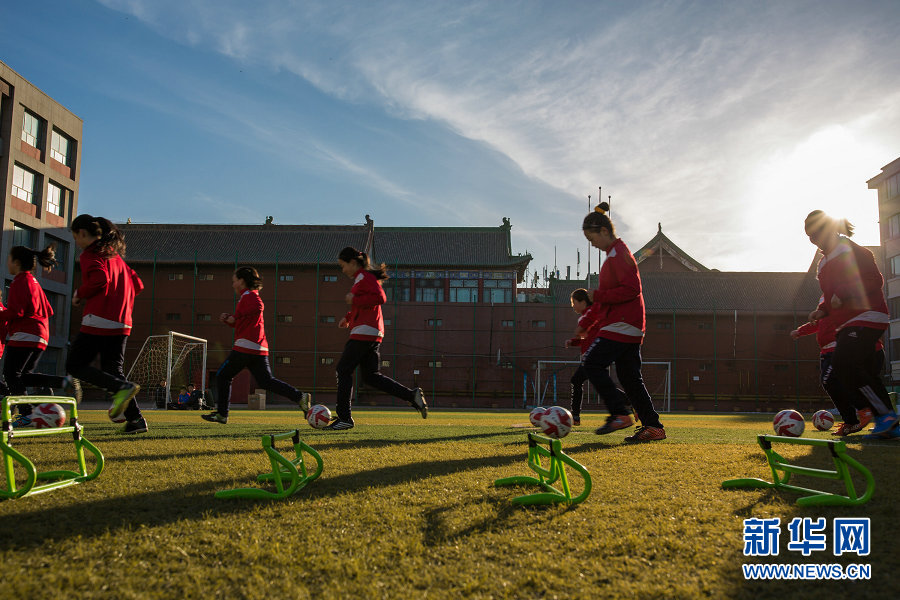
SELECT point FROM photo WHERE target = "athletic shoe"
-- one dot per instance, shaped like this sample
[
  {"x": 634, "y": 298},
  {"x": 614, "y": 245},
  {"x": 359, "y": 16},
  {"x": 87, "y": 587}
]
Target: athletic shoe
[
  {"x": 72, "y": 387},
  {"x": 137, "y": 426},
  {"x": 215, "y": 417},
  {"x": 305, "y": 402},
  {"x": 885, "y": 422},
  {"x": 22, "y": 421},
  {"x": 647, "y": 434},
  {"x": 121, "y": 399},
  {"x": 847, "y": 429},
  {"x": 576, "y": 420},
  {"x": 337, "y": 425},
  {"x": 419, "y": 403},
  {"x": 865, "y": 416},
  {"x": 615, "y": 422}
]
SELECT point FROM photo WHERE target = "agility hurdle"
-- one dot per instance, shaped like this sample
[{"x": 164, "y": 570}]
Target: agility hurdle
[
  {"x": 548, "y": 476},
  {"x": 57, "y": 479},
  {"x": 284, "y": 470},
  {"x": 781, "y": 473}
]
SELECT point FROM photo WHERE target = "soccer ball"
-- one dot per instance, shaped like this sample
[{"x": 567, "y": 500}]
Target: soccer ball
[
  {"x": 557, "y": 422},
  {"x": 318, "y": 416},
  {"x": 537, "y": 415},
  {"x": 823, "y": 420},
  {"x": 48, "y": 415},
  {"x": 789, "y": 422}
]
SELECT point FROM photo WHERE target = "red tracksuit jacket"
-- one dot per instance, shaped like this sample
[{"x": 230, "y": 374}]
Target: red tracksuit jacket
[
  {"x": 108, "y": 288},
  {"x": 590, "y": 327},
  {"x": 850, "y": 273},
  {"x": 249, "y": 328},
  {"x": 619, "y": 303},
  {"x": 364, "y": 317},
  {"x": 27, "y": 313}
]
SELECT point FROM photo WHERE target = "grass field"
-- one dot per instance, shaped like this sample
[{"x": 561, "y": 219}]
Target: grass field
[{"x": 405, "y": 508}]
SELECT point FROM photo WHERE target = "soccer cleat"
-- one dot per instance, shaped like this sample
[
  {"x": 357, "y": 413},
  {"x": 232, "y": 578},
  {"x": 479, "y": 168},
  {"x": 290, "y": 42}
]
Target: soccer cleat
[
  {"x": 72, "y": 387},
  {"x": 847, "y": 429},
  {"x": 615, "y": 422},
  {"x": 139, "y": 425},
  {"x": 885, "y": 422},
  {"x": 22, "y": 421},
  {"x": 419, "y": 403},
  {"x": 865, "y": 416},
  {"x": 647, "y": 434},
  {"x": 305, "y": 402},
  {"x": 576, "y": 420},
  {"x": 121, "y": 399},
  {"x": 215, "y": 417},
  {"x": 337, "y": 425}
]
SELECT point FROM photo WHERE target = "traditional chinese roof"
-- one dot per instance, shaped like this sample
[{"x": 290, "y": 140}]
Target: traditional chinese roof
[{"x": 661, "y": 254}]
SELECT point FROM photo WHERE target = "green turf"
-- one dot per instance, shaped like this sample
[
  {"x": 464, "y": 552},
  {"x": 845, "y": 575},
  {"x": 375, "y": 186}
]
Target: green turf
[{"x": 405, "y": 508}]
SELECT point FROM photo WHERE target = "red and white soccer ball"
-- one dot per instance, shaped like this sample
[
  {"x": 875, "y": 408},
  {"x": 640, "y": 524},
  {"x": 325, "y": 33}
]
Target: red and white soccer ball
[
  {"x": 537, "y": 416},
  {"x": 48, "y": 415},
  {"x": 318, "y": 416},
  {"x": 823, "y": 420},
  {"x": 789, "y": 423},
  {"x": 557, "y": 422}
]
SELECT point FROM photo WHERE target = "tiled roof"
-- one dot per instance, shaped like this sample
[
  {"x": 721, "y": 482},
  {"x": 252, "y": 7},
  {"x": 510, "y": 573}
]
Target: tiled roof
[
  {"x": 661, "y": 241},
  {"x": 446, "y": 246},
  {"x": 256, "y": 244}
]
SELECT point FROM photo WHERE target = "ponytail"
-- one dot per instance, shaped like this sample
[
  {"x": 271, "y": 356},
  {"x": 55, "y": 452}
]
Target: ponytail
[
  {"x": 598, "y": 219},
  {"x": 110, "y": 242},
  {"x": 818, "y": 220},
  {"x": 351, "y": 254},
  {"x": 28, "y": 259}
]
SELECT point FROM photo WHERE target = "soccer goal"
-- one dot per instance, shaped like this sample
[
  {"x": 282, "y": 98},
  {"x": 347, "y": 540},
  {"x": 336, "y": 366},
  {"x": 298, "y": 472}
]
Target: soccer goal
[
  {"x": 176, "y": 358},
  {"x": 549, "y": 386}
]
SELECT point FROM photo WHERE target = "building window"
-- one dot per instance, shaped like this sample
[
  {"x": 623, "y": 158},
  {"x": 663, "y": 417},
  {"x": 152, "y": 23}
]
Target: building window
[
  {"x": 706, "y": 366},
  {"x": 23, "y": 236},
  {"x": 204, "y": 317},
  {"x": 507, "y": 323},
  {"x": 59, "y": 147},
  {"x": 429, "y": 290},
  {"x": 176, "y": 276},
  {"x": 326, "y": 319},
  {"x": 173, "y": 316},
  {"x": 895, "y": 349},
  {"x": 434, "y": 322},
  {"x": 205, "y": 276},
  {"x": 285, "y": 318},
  {"x": 385, "y": 363},
  {"x": 894, "y": 305},
  {"x": 704, "y": 325},
  {"x": 497, "y": 291},
  {"x": 62, "y": 252},
  {"x": 539, "y": 323},
  {"x": 285, "y": 278},
  {"x": 397, "y": 290},
  {"x": 463, "y": 290},
  {"x": 435, "y": 364},
  {"x": 895, "y": 265},
  {"x": 329, "y": 278},
  {"x": 56, "y": 303},
  {"x": 56, "y": 199},
  {"x": 31, "y": 130},
  {"x": 893, "y": 226},
  {"x": 282, "y": 360},
  {"x": 23, "y": 184},
  {"x": 664, "y": 325},
  {"x": 782, "y": 367},
  {"x": 506, "y": 365},
  {"x": 326, "y": 360},
  {"x": 387, "y": 322},
  {"x": 892, "y": 186}
]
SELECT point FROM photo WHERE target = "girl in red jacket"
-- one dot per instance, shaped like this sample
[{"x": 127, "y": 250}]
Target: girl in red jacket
[
  {"x": 619, "y": 310},
  {"x": 27, "y": 317},
  {"x": 853, "y": 300},
  {"x": 250, "y": 350},
  {"x": 107, "y": 291},
  {"x": 366, "y": 332}
]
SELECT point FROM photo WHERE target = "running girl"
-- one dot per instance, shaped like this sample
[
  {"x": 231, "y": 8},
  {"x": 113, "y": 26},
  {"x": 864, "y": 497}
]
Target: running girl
[
  {"x": 250, "y": 350},
  {"x": 108, "y": 288},
  {"x": 581, "y": 302},
  {"x": 619, "y": 310},
  {"x": 366, "y": 326}
]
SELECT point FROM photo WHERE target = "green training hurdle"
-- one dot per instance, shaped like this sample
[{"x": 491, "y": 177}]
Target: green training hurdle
[
  {"x": 57, "y": 479},
  {"x": 548, "y": 476},
  {"x": 293, "y": 472},
  {"x": 842, "y": 465}
]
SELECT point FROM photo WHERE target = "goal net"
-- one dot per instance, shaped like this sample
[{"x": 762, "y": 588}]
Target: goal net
[
  {"x": 175, "y": 358},
  {"x": 552, "y": 385}
]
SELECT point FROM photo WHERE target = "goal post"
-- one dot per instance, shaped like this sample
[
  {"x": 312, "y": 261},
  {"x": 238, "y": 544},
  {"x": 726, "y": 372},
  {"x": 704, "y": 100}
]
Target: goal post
[
  {"x": 657, "y": 379},
  {"x": 177, "y": 358}
]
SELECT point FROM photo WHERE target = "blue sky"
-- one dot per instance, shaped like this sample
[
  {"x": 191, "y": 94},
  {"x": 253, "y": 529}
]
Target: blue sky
[{"x": 726, "y": 122}]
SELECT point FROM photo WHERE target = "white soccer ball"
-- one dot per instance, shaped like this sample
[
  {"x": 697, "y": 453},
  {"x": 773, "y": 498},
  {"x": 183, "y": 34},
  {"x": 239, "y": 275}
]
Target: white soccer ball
[
  {"x": 318, "y": 416},
  {"x": 537, "y": 415},
  {"x": 789, "y": 422},
  {"x": 557, "y": 422},
  {"x": 823, "y": 420},
  {"x": 48, "y": 415}
]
